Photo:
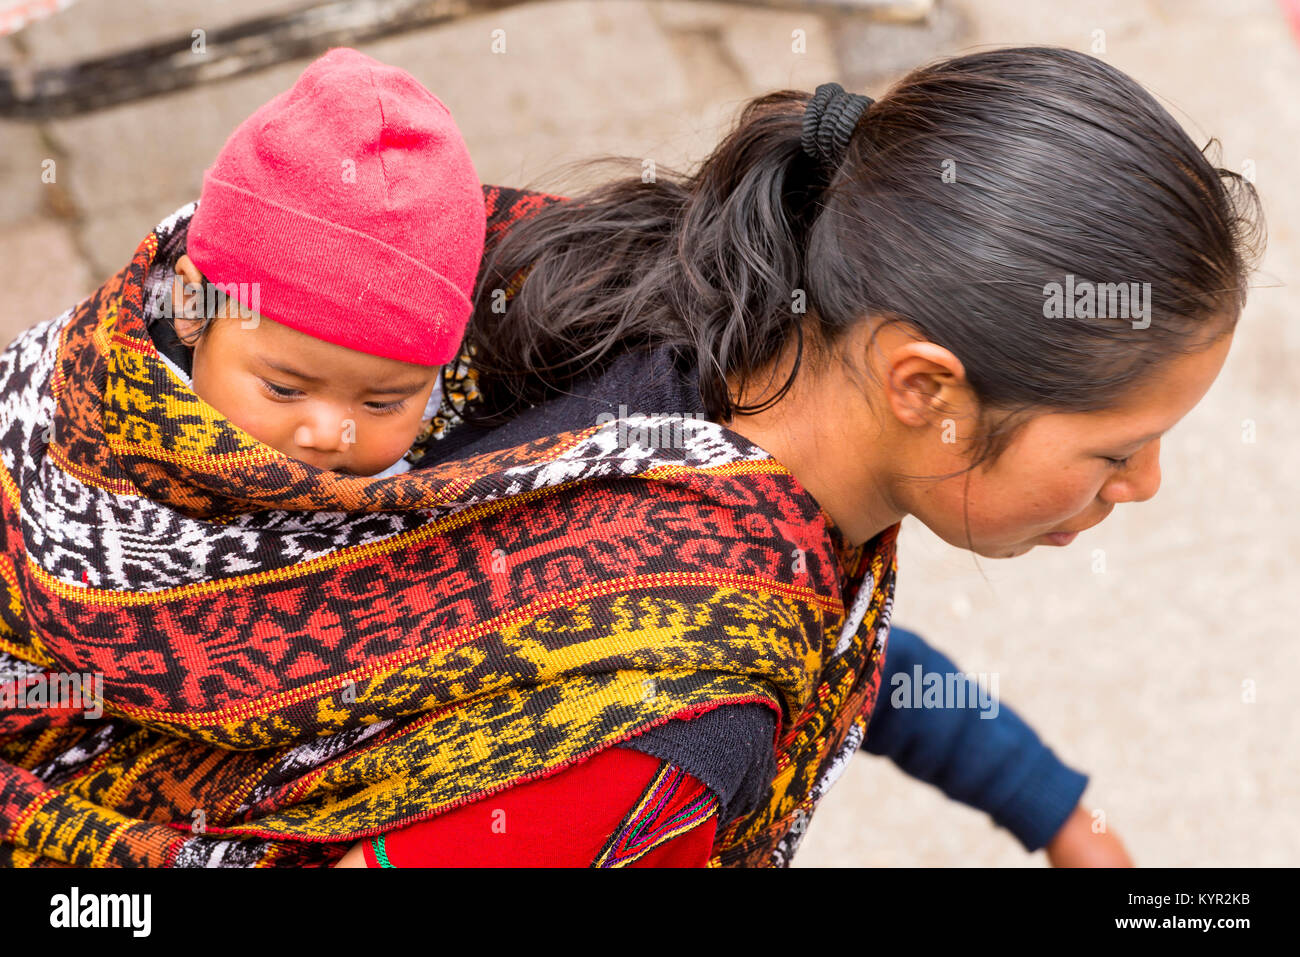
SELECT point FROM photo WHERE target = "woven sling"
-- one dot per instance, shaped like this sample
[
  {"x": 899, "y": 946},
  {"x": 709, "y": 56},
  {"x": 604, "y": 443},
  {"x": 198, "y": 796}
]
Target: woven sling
[{"x": 277, "y": 661}]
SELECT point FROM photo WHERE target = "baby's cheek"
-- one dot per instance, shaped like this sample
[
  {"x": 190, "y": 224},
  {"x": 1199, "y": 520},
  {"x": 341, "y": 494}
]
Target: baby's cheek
[
  {"x": 239, "y": 403},
  {"x": 388, "y": 444}
]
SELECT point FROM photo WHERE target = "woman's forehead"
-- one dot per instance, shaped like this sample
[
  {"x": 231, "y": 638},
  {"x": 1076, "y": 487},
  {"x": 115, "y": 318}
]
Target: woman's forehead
[{"x": 1153, "y": 407}]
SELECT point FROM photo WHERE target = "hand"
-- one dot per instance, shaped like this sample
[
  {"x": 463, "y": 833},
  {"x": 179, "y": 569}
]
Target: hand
[{"x": 1075, "y": 845}]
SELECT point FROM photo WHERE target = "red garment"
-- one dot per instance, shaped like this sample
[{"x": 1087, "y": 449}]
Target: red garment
[{"x": 620, "y": 806}]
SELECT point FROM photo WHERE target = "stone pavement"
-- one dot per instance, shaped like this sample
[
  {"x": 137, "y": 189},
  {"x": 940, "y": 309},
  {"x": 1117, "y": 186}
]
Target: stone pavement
[{"x": 1134, "y": 674}]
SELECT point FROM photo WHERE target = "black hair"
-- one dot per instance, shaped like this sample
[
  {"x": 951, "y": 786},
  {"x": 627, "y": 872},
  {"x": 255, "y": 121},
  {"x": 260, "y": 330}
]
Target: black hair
[{"x": 967, "y": 189}]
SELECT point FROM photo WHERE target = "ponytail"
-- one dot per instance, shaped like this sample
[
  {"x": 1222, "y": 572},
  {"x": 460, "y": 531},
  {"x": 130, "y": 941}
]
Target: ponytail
[
  {"x": 709, "y": 264},
  {"x": 969, "y": 190}
]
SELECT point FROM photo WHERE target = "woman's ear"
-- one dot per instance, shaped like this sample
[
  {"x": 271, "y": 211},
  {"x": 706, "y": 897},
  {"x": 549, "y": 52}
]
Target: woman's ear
[{"x": 925, "y": 381}]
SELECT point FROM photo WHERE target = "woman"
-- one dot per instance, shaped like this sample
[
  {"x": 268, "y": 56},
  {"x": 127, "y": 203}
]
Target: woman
[{"x": 878, "y": 278}]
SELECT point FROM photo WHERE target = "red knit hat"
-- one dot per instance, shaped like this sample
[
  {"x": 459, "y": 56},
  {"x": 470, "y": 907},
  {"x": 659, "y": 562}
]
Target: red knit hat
[{"x": 350, "y": 200}]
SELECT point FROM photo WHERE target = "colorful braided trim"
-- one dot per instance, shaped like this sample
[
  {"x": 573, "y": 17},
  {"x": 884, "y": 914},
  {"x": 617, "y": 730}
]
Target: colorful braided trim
[{"x": 671, "y": 804}]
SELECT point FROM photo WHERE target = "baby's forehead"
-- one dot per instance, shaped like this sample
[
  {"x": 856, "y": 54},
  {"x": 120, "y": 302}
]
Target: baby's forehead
[
  {"x": 275, "y": 347},
  {"x": 341, "y": 370}
]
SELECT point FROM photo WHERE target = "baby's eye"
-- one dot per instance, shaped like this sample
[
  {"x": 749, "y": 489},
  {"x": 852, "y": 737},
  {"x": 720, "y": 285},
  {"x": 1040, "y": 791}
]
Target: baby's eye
[
  {"x": 387, "y": 408},
  {"x": 1117, "y": 463},
  {"x": 280, "y": 392},
  {"x": 379, "y": 408}
]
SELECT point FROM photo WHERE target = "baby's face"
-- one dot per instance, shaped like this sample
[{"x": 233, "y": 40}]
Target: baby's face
[{"x": 323, "y": 404}]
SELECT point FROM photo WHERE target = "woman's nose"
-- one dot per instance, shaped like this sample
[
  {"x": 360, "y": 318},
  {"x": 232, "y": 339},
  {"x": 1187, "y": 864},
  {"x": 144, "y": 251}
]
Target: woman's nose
[{"x": 1140, "y": 481}]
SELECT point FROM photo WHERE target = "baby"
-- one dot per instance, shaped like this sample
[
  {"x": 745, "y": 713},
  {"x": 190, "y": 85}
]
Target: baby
[{"x": 326, "y": 274}]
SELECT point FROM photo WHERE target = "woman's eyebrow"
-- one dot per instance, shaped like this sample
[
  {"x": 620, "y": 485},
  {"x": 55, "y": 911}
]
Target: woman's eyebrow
[{"x": 1140, "y": 440}]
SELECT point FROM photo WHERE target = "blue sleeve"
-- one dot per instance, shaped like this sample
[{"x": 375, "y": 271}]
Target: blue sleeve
[{"x": 982, "y": 754}]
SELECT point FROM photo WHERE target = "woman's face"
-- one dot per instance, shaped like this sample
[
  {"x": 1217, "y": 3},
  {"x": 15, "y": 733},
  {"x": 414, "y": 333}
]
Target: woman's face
[
  {"x": 1058, "y": 475},
  {"x": 869, "y": 470}
]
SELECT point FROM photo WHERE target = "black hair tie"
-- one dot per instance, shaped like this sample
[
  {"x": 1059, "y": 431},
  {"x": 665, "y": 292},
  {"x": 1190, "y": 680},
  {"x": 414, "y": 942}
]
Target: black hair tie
[{"x": 829, "y": 121}]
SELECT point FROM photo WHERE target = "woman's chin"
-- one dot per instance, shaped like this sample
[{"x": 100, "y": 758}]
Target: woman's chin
[
  {"x": 1004, "y": 551},
  {"x": 999, "y": 550}
]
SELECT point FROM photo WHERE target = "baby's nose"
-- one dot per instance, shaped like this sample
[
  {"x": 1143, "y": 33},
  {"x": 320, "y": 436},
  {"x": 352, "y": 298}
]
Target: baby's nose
[{"x": 327, "y": 432}]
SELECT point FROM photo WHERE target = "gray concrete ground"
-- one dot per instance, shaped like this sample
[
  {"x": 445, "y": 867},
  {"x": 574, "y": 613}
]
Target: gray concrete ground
[{"x": 1134, "y": 673}]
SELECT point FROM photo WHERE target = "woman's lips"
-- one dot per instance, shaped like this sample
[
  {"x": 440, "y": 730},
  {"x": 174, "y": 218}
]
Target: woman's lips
[
  {"x": 1060, "y": 538},
  {"x": 1065, "y": 538}
]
